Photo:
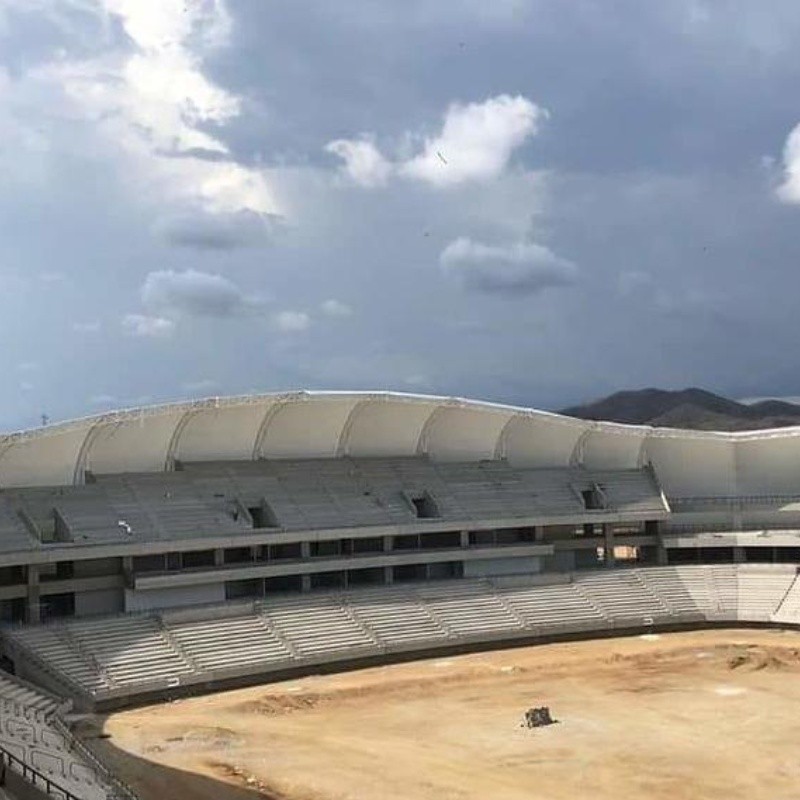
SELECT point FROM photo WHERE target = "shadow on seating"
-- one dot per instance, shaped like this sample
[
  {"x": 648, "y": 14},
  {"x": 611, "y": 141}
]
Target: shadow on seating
[{"x": 153, "y": 781}]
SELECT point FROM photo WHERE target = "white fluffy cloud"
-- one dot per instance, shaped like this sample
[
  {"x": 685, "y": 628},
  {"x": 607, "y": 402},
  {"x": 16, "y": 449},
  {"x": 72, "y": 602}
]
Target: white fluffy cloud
[
  {"x": 144, "y": 326},
  {"x": 190, "y": 293},
  {"x": 292, "y": 321},
  {"x": 363, "y": 162},
  {"x": 475, "y": 143},
  {"x": 519, "y": 268},
  {"x": 790, "y": 188},
  {"x": 150, "y": 99}
]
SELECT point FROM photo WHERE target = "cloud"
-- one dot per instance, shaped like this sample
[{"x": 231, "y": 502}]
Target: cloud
[
  {"x": 363, "y": 162},
  {"x": 194, "y": 294},
  {"x": 205, "y": 231},
  {"x": 292, "y": 321},
  {"x": 789, "y": 190},
  {"x": 476, "y": 141},
  {"x": 335, "y": 308},
  {"x": 149, "y": 98},
  {"x": 517, "y": 269},
  {"x": 475, "y": 144},
  {"x": 147, "y": 327}
]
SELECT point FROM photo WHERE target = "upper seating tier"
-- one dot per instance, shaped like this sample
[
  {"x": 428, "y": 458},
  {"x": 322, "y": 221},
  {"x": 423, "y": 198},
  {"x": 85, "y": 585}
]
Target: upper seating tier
[{"x": 214, "y": 498}]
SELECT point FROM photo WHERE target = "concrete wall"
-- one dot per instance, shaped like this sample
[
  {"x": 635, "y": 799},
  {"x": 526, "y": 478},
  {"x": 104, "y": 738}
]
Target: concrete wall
[
  {"x": 102, "y": 601},
  {"x": 146, "y": 599},
  {"x": 502, "y": 566},
  {"x": 96, "y": 567}
]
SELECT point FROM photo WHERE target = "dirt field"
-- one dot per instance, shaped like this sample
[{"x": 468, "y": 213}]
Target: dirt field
[{"x": 706, "y": 715}]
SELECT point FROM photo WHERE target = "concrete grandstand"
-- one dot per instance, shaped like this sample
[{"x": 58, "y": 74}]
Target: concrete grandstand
[{"x": 179, "y": 548}]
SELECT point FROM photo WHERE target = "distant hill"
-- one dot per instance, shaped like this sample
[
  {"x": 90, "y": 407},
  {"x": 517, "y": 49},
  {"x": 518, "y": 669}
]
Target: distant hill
[{"x": 688, "y": 408}]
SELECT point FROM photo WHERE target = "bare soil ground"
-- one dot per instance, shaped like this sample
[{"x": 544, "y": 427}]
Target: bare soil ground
[{"x": 705, "y": 715}]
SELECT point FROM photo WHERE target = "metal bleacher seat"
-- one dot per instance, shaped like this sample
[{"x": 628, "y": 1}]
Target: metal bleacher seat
[
  {"x": 230, "y": 642},
  {"x": 620, "y": 597},
  {"x": 552, "y": 608},
  {"x": 129, "y": 649},
  {"x": 760, "y": 591},
  {"x": 396, "y": 616},
  {"x": 683, "y": 597},
  {"x": 469, "y": 608},
  {"x": 315, "y": 626}
]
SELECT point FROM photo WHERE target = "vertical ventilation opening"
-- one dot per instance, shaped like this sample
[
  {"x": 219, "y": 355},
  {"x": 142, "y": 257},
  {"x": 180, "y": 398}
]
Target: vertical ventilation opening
[
  {"x": 263, "y": 516},
  {"x": 594, "y": 499},
  {"x": 424, "y": 506}
]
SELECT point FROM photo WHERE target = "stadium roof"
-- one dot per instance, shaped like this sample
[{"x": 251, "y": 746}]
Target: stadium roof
[{"x": 331, "y": 424}]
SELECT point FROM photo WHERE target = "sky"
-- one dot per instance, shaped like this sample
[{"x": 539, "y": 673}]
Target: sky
[{"x": 526, "y": 201}]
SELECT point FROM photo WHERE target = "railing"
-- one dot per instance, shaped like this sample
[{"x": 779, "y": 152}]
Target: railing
[
  {"x": 733, "y": 500},
  {"x": 726, "y": 527},
  {"x": 32, "y": 775},
  {"x": 120, "y": 789}
]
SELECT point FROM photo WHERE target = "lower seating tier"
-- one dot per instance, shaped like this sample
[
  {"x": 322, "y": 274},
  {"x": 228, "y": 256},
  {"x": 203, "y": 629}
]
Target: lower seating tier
[{"x": 109, "y": 659}]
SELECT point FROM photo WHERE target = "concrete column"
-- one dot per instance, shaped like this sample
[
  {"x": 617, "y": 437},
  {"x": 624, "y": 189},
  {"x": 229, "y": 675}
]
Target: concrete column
[
  {"x": 738, "y": 555},
  {"x": 388, "y": 575},
  {"x": 661, "y": 553},
  {"x": 127, "y": 570},
  {"x": 608, "y": 544},
  {"x": 538, "y": 533},
  {"x": 32, "y": 605},
  {"x": 465, "y": 538},
  {"x": 305, "y": 583},
  {"x": 387, "y": 544},
  {"x": 219, "y": 557},
  {"x": 305, "y": 550}
]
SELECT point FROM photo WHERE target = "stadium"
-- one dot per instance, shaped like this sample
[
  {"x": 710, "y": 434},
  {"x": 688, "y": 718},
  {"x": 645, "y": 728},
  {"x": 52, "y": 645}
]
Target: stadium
[{"x": 278, "y": 595}]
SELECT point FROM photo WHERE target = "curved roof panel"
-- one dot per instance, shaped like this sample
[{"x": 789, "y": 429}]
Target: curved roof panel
[{"x": 329, "y": 424}]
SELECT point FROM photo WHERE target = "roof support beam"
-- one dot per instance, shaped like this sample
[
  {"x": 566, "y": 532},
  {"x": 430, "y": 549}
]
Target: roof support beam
[
  {"x": 175, "y": 439},
  {"x": 577, "y": 456},
  {"x": 423, "y": 441},
  {"x": 281, "y": 401},
  {"x": 343, "y": 444},
  {"x": 500, "y": 448},
  {"x": 79, "y": 473}
]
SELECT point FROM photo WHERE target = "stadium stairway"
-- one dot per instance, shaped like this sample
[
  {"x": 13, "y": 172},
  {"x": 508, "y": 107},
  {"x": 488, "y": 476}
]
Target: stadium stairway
[{"x": 788, "y": 610}]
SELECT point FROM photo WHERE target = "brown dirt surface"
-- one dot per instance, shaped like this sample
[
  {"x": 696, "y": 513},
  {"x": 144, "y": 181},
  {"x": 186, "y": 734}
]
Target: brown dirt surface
[{"x": 705, "y": 715}]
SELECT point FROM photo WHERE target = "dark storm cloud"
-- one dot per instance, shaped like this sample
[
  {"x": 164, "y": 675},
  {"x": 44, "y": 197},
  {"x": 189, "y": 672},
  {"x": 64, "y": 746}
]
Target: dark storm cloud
[
  {"x": 655, "y": 174},
  {"x": 515, "y": 270},
  {"x": 194, "y": 293}
]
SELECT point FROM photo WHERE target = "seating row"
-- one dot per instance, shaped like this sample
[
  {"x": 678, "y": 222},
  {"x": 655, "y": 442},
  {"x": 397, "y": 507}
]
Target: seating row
[{"x": 137, "y": 653}]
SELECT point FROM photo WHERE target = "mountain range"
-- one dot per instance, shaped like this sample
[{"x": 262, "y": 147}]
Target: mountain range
[{"x": 688, "y": 408}]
